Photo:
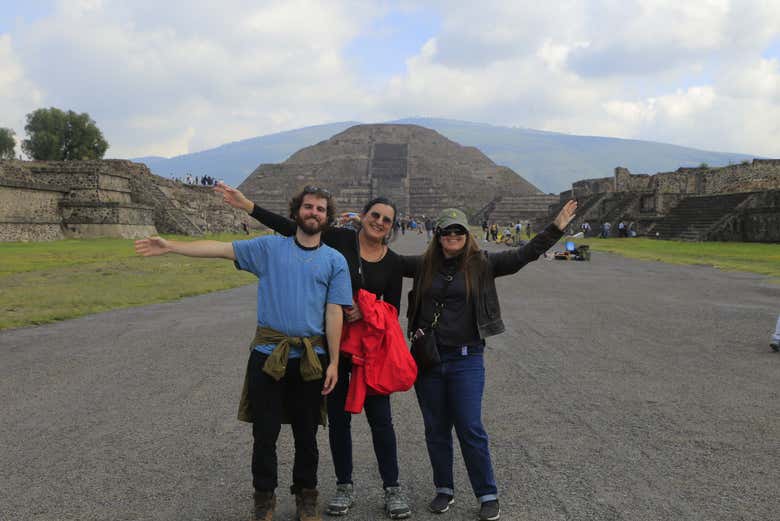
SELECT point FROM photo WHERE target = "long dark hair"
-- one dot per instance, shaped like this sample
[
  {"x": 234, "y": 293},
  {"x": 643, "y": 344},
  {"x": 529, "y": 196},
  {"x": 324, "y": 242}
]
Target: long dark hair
[
  {"x": 469, "y": 260},
  {"x": 384, "y": 200}
]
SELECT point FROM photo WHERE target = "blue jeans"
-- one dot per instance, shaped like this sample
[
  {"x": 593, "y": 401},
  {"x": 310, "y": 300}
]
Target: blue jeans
[
  {"x": 450, "y": 395},
  {"x": 380, "y": 420}
]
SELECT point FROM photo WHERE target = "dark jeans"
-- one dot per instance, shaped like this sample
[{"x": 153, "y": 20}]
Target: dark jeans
[
  {"x": 382, "y": 433},
  {"x": 269, "y": 399},
  {"x": 450, "y": 395}
]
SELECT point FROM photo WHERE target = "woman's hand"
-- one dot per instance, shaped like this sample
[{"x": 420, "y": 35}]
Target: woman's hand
[
  {"x": 234, "y": 197},
  {"x": 566, "y": 214},
  {"x": 352, "y": 313}
]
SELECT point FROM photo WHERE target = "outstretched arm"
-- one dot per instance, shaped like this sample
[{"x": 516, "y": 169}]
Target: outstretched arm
[
  {"x": 508, "y": 262},
  {"x": 236, "y": 199},
  {"x": 334, "y": 320},
  {"x": 154, "y": 246}
]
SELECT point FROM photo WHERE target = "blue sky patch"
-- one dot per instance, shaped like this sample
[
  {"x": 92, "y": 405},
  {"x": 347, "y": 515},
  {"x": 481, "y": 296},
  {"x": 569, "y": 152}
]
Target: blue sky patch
[{"x": 382, "y": 49}]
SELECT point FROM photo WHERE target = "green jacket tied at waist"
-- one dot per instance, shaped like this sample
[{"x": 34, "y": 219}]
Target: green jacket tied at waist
[{"x": 276, "y": 364}]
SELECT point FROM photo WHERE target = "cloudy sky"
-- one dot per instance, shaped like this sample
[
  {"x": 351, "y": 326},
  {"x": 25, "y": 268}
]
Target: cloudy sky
[{"x": 173, "y": 77}]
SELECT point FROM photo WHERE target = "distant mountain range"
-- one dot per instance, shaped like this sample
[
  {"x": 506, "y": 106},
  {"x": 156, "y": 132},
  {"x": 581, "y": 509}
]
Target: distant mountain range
[{"x": 549, "y": 160}]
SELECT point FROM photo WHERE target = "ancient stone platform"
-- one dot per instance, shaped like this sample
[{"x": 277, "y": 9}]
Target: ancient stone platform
[{"x": 421, "y": 170}]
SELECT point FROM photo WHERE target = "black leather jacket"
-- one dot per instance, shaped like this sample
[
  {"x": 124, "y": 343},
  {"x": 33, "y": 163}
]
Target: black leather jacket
[{"x": 485, "y": 301}]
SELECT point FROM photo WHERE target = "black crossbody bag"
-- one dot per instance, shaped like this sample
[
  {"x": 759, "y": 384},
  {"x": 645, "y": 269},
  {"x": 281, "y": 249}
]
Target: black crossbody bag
[{"x": 424, "y": 349}]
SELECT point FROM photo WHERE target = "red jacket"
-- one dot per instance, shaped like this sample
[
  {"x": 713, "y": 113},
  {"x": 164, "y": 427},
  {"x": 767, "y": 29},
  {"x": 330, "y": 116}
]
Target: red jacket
[{"x": 381, "y": 362}]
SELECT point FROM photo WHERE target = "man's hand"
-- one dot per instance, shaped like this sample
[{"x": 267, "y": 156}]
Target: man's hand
[
  {"x": 152, "y": 246},
  {"x": 234, "y": 197},
  {"x": 566, "y": 214},
  {"x": 331, "y": 378}
]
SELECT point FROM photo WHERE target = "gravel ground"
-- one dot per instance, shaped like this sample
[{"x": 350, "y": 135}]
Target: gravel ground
[{"x": 621, "y": 390}]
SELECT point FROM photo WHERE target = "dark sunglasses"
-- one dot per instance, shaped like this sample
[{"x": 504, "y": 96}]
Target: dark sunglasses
[
  {"x": 311, "y": 189},
  {"x": 455, "y": 230},
  {"x": 376, "y": 216}
]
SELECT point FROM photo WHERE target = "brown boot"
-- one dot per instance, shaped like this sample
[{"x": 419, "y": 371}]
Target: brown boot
[
  {"x": 306, "y": 503},
  {"x": 265, "y": 503}
]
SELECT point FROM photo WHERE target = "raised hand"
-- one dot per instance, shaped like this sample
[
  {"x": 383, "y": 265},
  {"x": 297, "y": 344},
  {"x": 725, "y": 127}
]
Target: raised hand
[
  {"x": 566, "y": 214},
  {"x": 152, "y": 246},
  {"x": 234, "y": 197}
]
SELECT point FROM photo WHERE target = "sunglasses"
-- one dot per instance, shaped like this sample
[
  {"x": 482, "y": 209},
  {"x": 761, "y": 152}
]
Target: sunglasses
[
  {"x": 455, "y": 230},
  {"x": 377, "y": 216},
  {"x": 311, "y": 189}
]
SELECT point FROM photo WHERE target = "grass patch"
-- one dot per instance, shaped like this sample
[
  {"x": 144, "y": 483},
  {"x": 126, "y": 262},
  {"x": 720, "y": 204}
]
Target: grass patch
[
  {"x": 48, "y": 281},
  {"x": 730, "y": 256}
]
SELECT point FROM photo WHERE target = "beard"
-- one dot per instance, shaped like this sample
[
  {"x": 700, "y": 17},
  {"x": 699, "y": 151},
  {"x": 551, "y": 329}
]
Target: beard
[{"x": 310, "y": 226}]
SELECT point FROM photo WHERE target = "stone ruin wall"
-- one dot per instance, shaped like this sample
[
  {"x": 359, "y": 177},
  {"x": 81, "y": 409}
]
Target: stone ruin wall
[
  {"x": 647, "y": 199},
  {"x": 49, "y": 200},
  {"x": 589, "y": 187},
  {"x": 29, "y": 212},
  {"x": 761, "y": 174}
]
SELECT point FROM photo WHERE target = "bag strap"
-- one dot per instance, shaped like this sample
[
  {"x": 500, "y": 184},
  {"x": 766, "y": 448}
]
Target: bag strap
[{"x": 439, "y": 305}]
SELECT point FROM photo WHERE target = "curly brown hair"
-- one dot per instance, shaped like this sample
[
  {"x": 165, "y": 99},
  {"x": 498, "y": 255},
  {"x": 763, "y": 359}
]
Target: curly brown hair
[{"x": 297, "y": 201}]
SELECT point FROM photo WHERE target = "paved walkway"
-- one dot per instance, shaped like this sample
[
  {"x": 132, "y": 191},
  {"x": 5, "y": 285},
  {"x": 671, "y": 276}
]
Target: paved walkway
[{"x": 622, "y": 390}]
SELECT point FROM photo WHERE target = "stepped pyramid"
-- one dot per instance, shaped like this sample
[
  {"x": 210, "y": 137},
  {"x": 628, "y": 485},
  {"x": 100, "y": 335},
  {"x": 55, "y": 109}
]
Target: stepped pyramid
[{"x": 418, "y": 168}]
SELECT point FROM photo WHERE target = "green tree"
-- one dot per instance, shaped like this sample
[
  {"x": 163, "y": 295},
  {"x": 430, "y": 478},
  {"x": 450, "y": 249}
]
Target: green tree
[
  {"x": 7, "y": 143},
  {"x": 62, "y": 136}
]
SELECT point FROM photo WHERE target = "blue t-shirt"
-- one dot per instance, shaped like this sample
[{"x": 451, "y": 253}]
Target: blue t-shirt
[{"x": 294, "y": 285}]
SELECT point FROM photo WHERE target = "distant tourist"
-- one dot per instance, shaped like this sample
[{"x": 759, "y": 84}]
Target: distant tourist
[
  {"x": 517, "y": 231},
  {"x": 622, "y": 231},
  {"x": 585, "y": 227},
  {"x": 775, "y": 343},
  {"x": 430, "y": 223}
]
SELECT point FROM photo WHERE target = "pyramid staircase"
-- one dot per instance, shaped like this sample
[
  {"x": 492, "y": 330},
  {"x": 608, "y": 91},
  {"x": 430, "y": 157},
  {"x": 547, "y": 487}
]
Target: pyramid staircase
[{"x": 694, "y": 217}]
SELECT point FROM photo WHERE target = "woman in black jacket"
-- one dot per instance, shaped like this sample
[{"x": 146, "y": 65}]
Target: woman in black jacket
[
  {"x": 375, "y": 267},
  {"x": 455, "y": 293}
]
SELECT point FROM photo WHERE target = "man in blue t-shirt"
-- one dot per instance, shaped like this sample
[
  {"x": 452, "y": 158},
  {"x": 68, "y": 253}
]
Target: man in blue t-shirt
[{"x": 302, "y": 286}]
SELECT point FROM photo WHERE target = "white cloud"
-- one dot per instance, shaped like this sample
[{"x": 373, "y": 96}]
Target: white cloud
[
  {"x": 17, "y": 93},
  {"x": 175, "y": 77}
]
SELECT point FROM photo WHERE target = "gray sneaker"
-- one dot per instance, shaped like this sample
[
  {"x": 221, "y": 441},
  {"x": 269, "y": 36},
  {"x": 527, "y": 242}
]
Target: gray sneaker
[
  {"x": 396, "y": 505},
  {"x": 342, "y": 500}
]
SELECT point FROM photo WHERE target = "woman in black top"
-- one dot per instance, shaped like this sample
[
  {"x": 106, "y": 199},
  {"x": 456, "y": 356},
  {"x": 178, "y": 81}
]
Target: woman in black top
[
  {"x": 454, "y": 292},
  {"x": 373, "y": 266}
]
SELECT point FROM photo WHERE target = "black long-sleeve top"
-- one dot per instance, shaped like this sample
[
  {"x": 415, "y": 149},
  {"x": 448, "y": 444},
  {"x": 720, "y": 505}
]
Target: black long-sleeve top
[
  {"x": 382, "y": 278},
  {"x": 458, "y": 324}
]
